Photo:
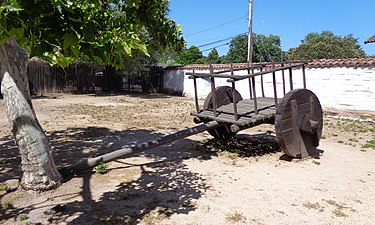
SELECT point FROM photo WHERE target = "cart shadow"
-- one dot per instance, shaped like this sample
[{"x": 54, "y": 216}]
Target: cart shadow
[
  {"x": 245, "y": 145},
  {"x": 316, "y": 154}
]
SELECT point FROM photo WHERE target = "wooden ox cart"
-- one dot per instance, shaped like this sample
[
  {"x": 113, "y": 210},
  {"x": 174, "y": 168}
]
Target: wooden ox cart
[{"x": 297, "y": 116}]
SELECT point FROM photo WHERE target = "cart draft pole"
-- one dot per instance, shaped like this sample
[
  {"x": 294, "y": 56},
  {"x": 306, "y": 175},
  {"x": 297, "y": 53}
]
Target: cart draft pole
[{"x": 140, "y": 147}]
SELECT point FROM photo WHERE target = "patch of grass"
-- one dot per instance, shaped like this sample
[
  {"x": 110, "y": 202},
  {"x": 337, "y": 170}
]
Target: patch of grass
[
  {"x": 102, "y": 168},
  {"x": 316, "y": 162},
  {"x": 3, "y": 187},
  {"x": 338, "y": 212},
  {"x": 369, "y": 144},
  {"x": 235, "y": 217},
  {"x": 354, "y": 130},
  {"x": 316, "y": 206},
  {"x": 232, "y": 156},
  {"x": 24, "y": 217},
  {"x": 7, "y": 204}
]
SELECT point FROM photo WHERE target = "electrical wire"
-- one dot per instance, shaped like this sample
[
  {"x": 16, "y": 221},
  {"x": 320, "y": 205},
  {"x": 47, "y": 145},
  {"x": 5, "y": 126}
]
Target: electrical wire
[
  {"x": 221, "y": 40},
  {"x": 215, "y": 47},
  {"x": 214, "y": 27},
  {"x": 265, "y": 52}
]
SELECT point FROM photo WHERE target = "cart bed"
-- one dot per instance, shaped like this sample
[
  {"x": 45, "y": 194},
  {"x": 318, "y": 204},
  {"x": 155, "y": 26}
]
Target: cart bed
[{"x": 246, "y": 113}]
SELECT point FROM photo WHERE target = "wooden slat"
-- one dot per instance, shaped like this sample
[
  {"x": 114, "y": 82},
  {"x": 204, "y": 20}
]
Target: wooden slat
[{"x": 245, "y": 110}]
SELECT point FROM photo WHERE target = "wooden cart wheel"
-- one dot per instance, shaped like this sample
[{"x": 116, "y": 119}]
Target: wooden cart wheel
[
  {"x": 224, "y": 96},
  {"x": 299, "y": 123}
]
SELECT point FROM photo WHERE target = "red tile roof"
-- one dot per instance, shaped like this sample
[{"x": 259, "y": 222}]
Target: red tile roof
[
  {"x": 353, "y": 62},
  {"x": 370, "y": 40},
  {"x": 319, "y": 63}
]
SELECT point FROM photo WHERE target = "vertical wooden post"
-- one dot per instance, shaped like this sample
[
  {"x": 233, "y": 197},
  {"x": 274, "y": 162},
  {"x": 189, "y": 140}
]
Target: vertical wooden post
[
  {"x": 304, "y": 76},
  {"x": 248, "y": 72},
  {"x": 255, "y": 95},
  {"x": 261, "y": 81},
  {"x": 283, "y": 75},
  {"x": 274, "y": 85},
  {"x": 213, "y": 91},
  {"x": 196, "y": 93},
  {"x": 234, "y": 100},
  {"x": 290, "y": 78}
]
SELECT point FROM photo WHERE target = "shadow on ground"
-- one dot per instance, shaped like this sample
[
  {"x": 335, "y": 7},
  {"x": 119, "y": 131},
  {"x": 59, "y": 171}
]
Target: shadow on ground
[
  {"x": 245, "y": 145},
  {"x": 138, "y": 95},
  {"x": 165, "y": 185}
]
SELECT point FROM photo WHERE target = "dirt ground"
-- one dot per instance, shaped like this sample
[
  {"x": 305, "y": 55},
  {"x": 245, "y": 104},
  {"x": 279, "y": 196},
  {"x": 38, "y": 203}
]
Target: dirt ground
[{"x": 196, "y": 180}]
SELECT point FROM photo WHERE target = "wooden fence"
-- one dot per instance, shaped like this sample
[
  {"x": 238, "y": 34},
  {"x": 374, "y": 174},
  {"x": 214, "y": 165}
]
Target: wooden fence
[{"x": 83, "y": 78}]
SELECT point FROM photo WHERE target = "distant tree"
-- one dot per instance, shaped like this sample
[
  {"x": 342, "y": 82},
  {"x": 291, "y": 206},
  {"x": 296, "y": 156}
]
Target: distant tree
[
  {"x": 191, "y": 55},
  {"x": 213, "y": 56},
  {"x": 265, "y": 49},
  {"x": 223, "y": 59},
  {"x": 237, "y": 52},
  {"x": 327, "y": 45}
]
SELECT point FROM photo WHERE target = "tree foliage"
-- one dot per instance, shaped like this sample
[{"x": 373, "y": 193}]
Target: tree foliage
[
  {"x": 237, "y": 52},
  {"x": 213, "y": 56},
  {"x": 104, "y": 31},
  {"x": 191, "y": 55},
  {"x": 265, "y": 49},
  {"x": 327, "y": 45}
]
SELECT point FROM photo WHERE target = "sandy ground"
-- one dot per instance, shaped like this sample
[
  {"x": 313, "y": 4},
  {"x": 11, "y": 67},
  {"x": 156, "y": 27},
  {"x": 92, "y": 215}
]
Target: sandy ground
[{"x": 197, "y": 180}]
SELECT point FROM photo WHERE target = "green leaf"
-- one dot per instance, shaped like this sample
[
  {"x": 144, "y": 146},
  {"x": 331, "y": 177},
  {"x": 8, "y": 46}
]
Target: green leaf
[
  {"x": 71, "y": 42},
  {"x": 126, "y": 48},
  {"x": 143, "y": 48},
  {"x": 17, "y": 33},
  {"x": 10, "y": 6},
  {"x": 14, "y": 6}
]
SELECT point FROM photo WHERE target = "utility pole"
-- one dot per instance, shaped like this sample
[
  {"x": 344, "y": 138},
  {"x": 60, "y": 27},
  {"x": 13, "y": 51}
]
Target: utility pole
[{"x": 250, "y": 34}]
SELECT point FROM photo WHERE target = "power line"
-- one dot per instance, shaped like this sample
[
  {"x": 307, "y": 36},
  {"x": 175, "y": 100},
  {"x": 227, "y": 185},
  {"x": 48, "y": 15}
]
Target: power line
[
  {"x": 215, "y": 47},
  {"x": 214, "y": 27},
  {"x": 220, "y": 40},
  {"x": 212, "y": 39}
]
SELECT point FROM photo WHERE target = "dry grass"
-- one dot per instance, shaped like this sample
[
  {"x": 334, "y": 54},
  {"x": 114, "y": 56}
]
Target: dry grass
[{"x": 235, "y": 217}]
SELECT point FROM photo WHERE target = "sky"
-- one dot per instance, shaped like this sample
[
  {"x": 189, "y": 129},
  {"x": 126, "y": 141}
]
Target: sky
[{"x": 207, "y": 21}]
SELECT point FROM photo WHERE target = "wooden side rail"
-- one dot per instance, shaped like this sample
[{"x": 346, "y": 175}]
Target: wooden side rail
[
  {"x": 241, "y": 77},
  {"x": 251, "y": 77}
]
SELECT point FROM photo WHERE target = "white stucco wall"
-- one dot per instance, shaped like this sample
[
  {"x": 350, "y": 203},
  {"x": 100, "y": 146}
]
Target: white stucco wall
[{"x": 339, "y": 88}]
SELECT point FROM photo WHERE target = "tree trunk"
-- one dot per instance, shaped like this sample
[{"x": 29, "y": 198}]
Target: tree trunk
[{"x": 39, "y": 170}]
